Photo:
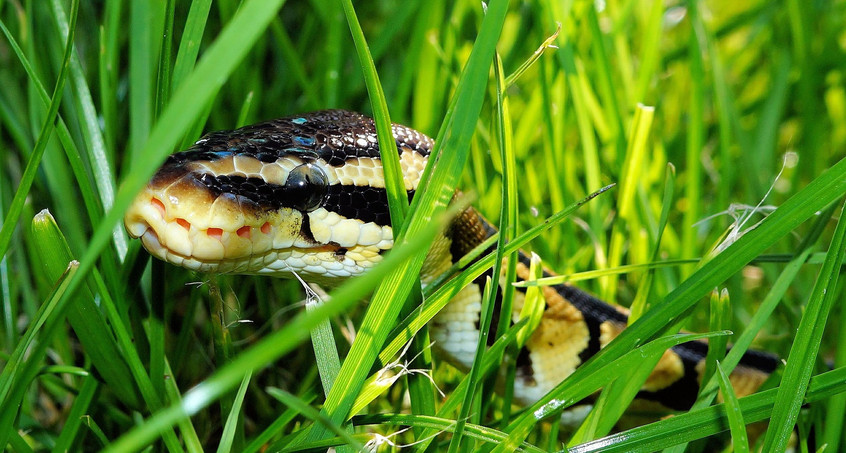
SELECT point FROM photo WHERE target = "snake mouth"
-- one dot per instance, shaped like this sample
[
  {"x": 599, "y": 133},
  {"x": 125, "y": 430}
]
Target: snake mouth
[
  {"x": 194, "y": 225},
  {"x": 256, "y": 263}
]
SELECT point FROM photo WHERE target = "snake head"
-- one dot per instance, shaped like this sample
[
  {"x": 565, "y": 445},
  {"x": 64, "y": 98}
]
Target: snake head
[{"x": 274, "y": 198}]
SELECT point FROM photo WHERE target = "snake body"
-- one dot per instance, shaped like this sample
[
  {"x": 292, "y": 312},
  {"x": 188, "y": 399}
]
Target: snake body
[{"x": 306, "y": 195}]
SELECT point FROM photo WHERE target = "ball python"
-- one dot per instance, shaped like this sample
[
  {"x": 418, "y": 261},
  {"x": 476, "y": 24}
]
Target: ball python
[{"x": 306, "y": 195}]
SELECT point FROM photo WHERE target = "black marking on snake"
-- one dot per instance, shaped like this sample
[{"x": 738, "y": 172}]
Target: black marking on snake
[
  {"x": 265, "y": 196},
  {"x": 697, "y": 350},
  {"x": 681, "y": 394},
  {"x": 759, "y": 360},
  {"x": 305, "y": 229},
  {"x": 524, "y": 367},
  {"x": 368, "y": 204},
  {"x": 335, "y": 136},
  {"x": 594, "y": 315}
]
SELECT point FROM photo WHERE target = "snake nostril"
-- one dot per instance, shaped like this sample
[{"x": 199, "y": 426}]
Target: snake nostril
[
  {"x": 184, "y": 223},
  {"x": 158, "y": 205},
  {"x": 265, "y": 228},
  {"x": 216, "y": 233},
  {"x": 244, "y": 232}
]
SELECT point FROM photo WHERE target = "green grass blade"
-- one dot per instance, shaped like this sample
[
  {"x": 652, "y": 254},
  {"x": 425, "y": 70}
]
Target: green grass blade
[
  {"x": 489, "y": 362},
  {"x": 189, "y": 434},
  {"x": 507, "y": 227},
  {"x": 17, "y": 442},
  {"x": 295, "y": 403},
  {"x": 720, "y": 311},
  {"x": 94, "y": 331},
  {"x": 478, "y": 432},
  {"x": 630, "y": 182},
  {"x": 608, "y": 90},
  {"x": 92, "y": 203},
  {"x": 227, "y": 439},
  {"x": 97, "y": 155},
  {"x": 13, "y": 214},
  {"x": 397, "y": 197},
  {"x": 306, "y": 84},
  {"x": 323, "y": 341},
  {"x": 835, "y": 411},
  {"x": 84, "y": 315},
  {"x": 108, "y": 73},
  {"x": 768, "y": 305},
  {"x": 695, "y": 136},
  {"x": 641, "y": 300},
  {"x": 548, "y": 43},
  {"x": 803, "y": 354},
  {"x": 192, "y": 36},
  {"x": 508, "y": 224},
  {"x": 739, "y": 438},
  {"x": 164, "y": 75},
  {"x": 14, "y": 380},
  {"x": 261, "y": 441},
  {"x": 488, "y": 294},
  {"x": 80, "y": 408},
  {"x": 437, "y": 424},
  {"x": 143, "y": 51},
  {"x": 650, "y": 51}
]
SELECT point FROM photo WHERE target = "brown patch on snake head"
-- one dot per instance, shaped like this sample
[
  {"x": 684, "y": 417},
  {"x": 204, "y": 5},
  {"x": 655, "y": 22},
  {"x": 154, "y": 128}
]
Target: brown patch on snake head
[
  {"x": 168, "y": 174},
  {"x": 186, "y": 190}
]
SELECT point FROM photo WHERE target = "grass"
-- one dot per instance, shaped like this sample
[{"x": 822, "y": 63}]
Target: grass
[{"x": 745, "y": 100}]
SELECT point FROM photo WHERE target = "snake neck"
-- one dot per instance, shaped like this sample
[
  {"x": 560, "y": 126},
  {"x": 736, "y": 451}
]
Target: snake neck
[{"x": 575, "y": 325}]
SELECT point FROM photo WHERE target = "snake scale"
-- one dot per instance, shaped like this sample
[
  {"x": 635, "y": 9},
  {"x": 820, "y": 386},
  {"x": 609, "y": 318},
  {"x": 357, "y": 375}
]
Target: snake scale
[{"x": 306, "y": 195}]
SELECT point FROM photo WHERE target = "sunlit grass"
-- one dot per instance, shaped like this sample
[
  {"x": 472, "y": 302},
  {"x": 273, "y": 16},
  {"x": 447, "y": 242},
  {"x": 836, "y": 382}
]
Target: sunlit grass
[{"x": 745, "y": 100}]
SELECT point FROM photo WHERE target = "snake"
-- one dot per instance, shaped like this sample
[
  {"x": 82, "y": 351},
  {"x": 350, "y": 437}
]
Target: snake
[{"x": 305, "y": 196}]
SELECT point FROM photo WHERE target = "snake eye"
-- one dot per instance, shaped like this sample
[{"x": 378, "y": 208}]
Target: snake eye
[{"x": 306, "y": 187}]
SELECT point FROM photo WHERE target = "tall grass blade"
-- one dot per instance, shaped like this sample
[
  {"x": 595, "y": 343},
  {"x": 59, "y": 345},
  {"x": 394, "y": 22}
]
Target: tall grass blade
[{"x": 803, "y": 354}]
